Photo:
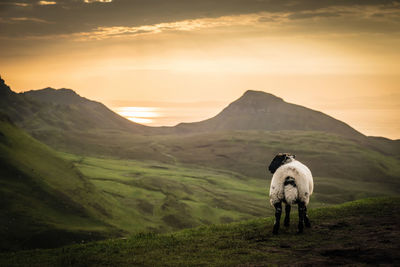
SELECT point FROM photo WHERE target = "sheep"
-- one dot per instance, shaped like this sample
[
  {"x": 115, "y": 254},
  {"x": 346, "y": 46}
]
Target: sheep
[{"x": 292, "y": 183}]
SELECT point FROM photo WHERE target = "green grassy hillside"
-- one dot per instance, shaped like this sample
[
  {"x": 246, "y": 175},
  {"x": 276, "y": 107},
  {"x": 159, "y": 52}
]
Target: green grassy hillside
[
  {"x": 47, "y": 193},
  {"x": 164, "y": 183},
  {"x": 50, "y": 199},
  {"x": 249, "y": 152},
  {"x": 45, "y": 201},
  {"x": 364, "y": 232},
  {"x": 171, "y": 196},
  {"x": 150, "y": 196}
]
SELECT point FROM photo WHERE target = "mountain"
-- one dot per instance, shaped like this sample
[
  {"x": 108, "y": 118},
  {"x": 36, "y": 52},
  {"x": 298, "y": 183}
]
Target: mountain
[
  {"x": 257, "y": 110},
  {"x": 47, "y": 110},
  {"x": 57, "y": 112},
  {"x": 66, "y": 121},
  {"x": 44, "y": 200}
]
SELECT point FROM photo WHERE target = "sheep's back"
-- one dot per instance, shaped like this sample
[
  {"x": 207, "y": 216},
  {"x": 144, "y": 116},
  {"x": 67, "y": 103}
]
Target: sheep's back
[{"x": 302, "y": 176}]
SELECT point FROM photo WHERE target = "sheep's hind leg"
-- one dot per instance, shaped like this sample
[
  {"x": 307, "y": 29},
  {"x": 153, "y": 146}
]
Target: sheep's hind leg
[
  {"x": 287, "y": 215},
  {"x": 306, "y": 219},
  {"x": 302, "y": 208},
  {"x": 278, "y": 212}
]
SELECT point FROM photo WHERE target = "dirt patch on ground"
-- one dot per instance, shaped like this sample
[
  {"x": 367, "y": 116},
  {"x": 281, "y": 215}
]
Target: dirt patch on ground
[{"x": 354, "y": 241}]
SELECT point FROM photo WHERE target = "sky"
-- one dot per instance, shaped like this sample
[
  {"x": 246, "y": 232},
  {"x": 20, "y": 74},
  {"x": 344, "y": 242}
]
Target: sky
[{"x": 161, "y": 62}]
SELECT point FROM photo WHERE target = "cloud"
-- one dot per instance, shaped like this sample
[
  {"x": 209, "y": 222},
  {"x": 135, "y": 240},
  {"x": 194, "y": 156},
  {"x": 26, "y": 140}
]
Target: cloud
[
  {"x": 82, "y": 17},
  {"x": 45, "y": 3},
  {"x": 309, "y": 15},
  {"x": 37, "y": 20},
  {"x": 22, "y": 4},
  {"x": 102, "y": 33},
  {"x": 99, "y": 1}
]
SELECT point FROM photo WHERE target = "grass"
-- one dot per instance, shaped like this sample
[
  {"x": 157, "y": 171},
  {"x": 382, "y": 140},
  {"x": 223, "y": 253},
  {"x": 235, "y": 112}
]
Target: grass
[
  {"x": 53, "y": 198},
  {"x": 244, "y": 152},
  {"x": 361, "y": 232},
  {"x": 45, "y": 200},
  {"x": 161, "y": 197},
  {"x": 149, "y": 196}
]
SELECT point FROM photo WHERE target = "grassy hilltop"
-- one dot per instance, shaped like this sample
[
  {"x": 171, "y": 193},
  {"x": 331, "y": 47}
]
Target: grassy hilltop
[{"x": 364, "y": 232}]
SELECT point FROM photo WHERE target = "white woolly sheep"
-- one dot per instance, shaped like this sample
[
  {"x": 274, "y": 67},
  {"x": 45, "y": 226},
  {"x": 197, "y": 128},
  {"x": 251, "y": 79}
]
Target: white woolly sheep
[{"x": 292, "y": 183}]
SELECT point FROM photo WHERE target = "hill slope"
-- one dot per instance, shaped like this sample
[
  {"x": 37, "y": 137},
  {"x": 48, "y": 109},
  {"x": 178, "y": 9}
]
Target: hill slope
[
  {"x": 257, "y": 110},
  {"x": 364, "y": 232},
  {"x": 45, "y": 201},
  {"x": 331, "y": 157}
]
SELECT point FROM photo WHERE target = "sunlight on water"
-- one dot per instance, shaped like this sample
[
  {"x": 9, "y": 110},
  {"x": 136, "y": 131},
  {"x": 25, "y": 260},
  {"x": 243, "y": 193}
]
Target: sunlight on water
[
  {"x": 168, "y": 114},
  {"x": 143, "y": 115}
]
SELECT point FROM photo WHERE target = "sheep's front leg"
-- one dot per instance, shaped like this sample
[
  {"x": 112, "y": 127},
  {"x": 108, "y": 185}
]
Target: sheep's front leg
[
  {"x": 278, "y": 212},
  {"x": 302, "y": 209},
  {"x": 287, "y": 215}
]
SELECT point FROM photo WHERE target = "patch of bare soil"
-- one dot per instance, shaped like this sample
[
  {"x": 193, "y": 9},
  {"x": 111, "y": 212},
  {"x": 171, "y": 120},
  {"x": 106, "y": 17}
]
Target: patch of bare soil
[{"x": 354, "y": 241}]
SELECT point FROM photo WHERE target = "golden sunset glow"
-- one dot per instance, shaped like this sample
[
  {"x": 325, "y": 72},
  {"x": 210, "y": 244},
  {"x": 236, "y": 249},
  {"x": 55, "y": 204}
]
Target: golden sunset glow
[
  {"x": 333, "y": 58},
  {"x": 145, "y": 115},
  {"x": 139, "y": 120}
]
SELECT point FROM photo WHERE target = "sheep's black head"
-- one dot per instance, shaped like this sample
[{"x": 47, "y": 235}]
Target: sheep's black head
[{"x": 279, "y": 160}]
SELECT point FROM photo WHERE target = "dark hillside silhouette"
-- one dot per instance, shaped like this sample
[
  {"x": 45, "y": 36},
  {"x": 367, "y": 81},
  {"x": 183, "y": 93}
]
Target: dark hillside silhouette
[
  {"x": 45, "y": 111},
  {"x": 257, "y": 110}
]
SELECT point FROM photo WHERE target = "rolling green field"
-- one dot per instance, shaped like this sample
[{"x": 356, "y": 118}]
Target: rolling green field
[
  {"x": 158, "y": 184},
  {"x": 244, "y": 152},
  {"x": 161, "y": 197},
  {"x": 343, "y": 169},
  {"x": 152, "y": 196},
  {"x": 363, "y": 232}
]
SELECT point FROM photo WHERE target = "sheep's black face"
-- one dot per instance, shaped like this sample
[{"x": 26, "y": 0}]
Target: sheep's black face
[{"x": 279, "y": 160}]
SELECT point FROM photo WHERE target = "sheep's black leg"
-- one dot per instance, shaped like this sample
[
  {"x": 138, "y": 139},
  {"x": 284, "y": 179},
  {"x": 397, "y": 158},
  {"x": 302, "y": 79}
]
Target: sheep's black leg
[
  {"x": 287, "y": 215},
  {"x": 302, "y": 207},
  {"x": 306, "y": 220},
  {"x": 278, "y": 212}
]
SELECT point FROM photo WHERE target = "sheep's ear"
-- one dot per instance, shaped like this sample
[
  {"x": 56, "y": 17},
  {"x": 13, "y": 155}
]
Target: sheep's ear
[
  {"x": 276, "y": 162},
  {"x": 294, "y": 156},
  {"x": 272, "y": 166}
]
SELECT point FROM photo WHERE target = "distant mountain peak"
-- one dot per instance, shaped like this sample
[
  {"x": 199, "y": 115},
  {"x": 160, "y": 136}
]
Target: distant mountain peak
[
  {"x": 55, "y": 91},
  {"x": 252, "y": 99},
  {"x": 256, "y": 93},
  {"x": 59, "y": 96},
  {"x": 260, "y": 95},
  {"x": 4, "y": 88}
]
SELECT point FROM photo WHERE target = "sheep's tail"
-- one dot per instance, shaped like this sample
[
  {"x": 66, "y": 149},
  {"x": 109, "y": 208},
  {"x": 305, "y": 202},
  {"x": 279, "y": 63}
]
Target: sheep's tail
[{"x": 290, "y": 190}]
